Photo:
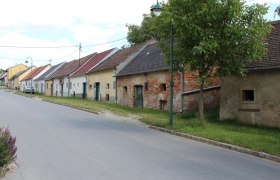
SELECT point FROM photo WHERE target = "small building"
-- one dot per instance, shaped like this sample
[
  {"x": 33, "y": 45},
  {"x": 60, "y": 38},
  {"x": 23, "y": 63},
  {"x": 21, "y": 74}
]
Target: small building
[
  {"x": 28, "y": 81},
  {"x": 59, "y": 82},
  {"x": 102, "y": 80},
  {"x": 14, "y": 70},
  {"x": 79, "y": 80},
  {"x": 16, "y": 79},
  {"x": 253, "y": 99},
  {"x": 144, "y": 82},
  {"x": 3, "y": 77},
  {"x": 40, "y": 84}
]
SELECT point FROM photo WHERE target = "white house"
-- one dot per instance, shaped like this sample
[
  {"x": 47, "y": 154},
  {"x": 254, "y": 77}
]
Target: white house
[
  {"x": 78, "y": 79},
  {"x": 40, "y": 81},
  {"x": 28, "y": 81}
]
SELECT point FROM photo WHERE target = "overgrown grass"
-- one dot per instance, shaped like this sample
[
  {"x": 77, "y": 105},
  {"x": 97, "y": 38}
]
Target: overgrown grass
[{"x": 258, "y": 138}]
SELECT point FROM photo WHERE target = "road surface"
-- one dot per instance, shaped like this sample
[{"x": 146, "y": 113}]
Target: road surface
[{"x": 56, "y": 143}]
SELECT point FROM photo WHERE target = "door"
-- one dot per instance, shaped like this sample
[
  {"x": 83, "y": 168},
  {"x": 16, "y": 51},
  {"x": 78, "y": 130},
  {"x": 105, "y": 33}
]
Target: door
[
  {"x": 42, "y": 88},
  {"x": 61, "y": 92},
  {"x": 97, "y": 91},
  {"x": 51, "y": 89},
  {"x": 84, "y": 90},
  {"x": 139, "y": 96}
]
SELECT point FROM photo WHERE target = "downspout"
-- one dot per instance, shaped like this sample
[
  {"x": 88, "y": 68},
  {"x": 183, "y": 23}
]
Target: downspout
[
  {"x": 116, "y": 90},
  {"x": 181, "y": 91},
  {"x": 68, "y": 86},
  {"x": 86, "y": 85}
]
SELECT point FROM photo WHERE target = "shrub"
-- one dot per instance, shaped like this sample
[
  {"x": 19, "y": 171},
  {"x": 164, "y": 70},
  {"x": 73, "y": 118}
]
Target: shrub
[{"x": 7, "y": 148}]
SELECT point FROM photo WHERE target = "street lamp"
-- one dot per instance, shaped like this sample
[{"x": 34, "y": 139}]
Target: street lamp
[
  {"x": 31, "y": 64},
  {"x": 156, "y": 10}
]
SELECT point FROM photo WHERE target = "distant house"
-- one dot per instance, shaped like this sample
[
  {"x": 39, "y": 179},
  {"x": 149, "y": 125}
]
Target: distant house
[
  {"x": 2, "y": 79},
  {"x": 40, "y": 84},
  {"x": 102, "y": 80},
  {"x": 60, "y": 80},
  {"x": 78, "y": 79},
  {"x": 144, "y": 82},
  {"x": 28, "y": 81},
  {"x": 14, "y": 70},
  {"x": 19, "y": 76},
  {"x": 254, "y": 98}
]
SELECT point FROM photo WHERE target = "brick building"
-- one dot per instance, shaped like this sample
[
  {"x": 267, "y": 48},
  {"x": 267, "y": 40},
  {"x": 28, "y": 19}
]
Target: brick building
[{"x": 144, "y": 82}]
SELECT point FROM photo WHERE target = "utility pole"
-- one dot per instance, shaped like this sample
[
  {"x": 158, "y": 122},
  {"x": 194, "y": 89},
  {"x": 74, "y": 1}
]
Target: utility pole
[{"x": 80, "y": 48}]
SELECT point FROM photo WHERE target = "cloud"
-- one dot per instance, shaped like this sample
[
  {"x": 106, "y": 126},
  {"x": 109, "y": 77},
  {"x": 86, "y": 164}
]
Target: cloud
[{"x": 61, "y": 22}]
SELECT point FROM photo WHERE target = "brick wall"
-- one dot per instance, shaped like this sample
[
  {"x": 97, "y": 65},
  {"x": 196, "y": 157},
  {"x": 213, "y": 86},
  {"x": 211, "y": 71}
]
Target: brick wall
[{"x": 156, "y": 88}]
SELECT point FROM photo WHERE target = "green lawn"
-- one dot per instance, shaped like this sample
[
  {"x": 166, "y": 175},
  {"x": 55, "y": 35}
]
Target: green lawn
[{"x": 258, "y": 138}]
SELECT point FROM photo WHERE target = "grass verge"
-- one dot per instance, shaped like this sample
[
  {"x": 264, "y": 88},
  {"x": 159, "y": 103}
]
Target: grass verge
[{"x": 264, "y": 139}]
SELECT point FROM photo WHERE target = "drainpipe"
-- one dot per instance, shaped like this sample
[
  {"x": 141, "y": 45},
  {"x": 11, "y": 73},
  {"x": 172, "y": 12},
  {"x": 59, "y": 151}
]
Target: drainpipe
[
  {"x": 68, "y": 86},
  {"x": 116, "y": 90},
  {"x": 181, "y": 91},
  {"x": 86, "y": 85}
]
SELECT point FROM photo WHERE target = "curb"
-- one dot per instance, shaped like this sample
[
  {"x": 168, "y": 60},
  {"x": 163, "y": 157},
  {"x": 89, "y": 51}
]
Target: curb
[{"x": 222, "y": 145}]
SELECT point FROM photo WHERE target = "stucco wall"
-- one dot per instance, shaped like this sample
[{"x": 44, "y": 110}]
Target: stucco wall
[
  {"x": 264, "y": 110},
  {"x": 104, "y": 78},
  {"x": 48, "y": 90},
  {"x": 77, "y": 85},
  {"x": 13, "y": 70}
]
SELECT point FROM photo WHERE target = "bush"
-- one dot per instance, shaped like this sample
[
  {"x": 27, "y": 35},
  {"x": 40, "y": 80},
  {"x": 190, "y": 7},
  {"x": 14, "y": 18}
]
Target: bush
[{"x": 7, "y": 148}]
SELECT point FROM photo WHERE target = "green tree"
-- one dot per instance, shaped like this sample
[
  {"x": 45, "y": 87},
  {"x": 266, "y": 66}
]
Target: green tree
[
  {"x": 215, "y": 37},
  {"x": 277, "y": 11},
  {"x": 212, "y": 37},
  {"x": 146, "y": 31}
]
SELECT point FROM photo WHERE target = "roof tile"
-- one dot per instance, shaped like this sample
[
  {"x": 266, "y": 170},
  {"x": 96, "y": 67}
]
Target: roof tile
[
  {"x": 34, "y": 73},
  {"x": 272, "y": 59},
  {"x": 150, "y": 59},
  {"x": 119, "y": 57},
  {"x": 93, "y": 61}
]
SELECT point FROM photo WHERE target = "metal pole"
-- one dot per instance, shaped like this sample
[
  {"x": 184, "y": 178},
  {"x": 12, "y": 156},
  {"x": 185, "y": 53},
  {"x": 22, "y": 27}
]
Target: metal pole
[
  {"x": 31, "y": 78},
  {"x": 171, "y": 76}
]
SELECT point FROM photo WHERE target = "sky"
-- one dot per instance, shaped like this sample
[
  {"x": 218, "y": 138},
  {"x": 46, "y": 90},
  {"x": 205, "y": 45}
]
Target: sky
[{"x": 59, "y": 26}]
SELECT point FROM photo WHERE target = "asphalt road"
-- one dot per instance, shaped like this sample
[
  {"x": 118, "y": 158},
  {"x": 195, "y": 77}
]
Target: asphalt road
[{"x": 57, "y": 142}]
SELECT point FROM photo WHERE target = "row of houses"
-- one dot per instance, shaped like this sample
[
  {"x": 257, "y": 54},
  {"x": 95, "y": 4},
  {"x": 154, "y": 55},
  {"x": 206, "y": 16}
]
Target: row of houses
[{"x": 138, "y": 77}]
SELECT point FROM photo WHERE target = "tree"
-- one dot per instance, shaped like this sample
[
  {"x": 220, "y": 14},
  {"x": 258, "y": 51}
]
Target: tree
[
  {"x": 213, "y": 37},
  {"x": 277, "y": 11},
  {"x": 146, "y": 31}
]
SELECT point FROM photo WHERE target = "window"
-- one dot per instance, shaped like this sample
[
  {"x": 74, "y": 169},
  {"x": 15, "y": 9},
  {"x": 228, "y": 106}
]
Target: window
[
  {"x": 70, "y": 85},
  {"x": 66, "y": 85},
  {"x": 74, "y": 85},
  {"x": 114, "y": 85},
  {"x": 162, "y": 87},
  {"x": 107, "y": 86},
  {"x": 90, "y": 86},
  {"x": 125, "y": 89},
  {"x": 47, "y": 86},
  {"x": 107, "y": 97},
  {"x": 146, "y": 86},
  {"x": 248, "y": 95},
  {"x": 77, "y": 84}
]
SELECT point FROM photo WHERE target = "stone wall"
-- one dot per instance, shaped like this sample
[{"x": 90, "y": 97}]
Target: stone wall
[
  {"x": 262, "y": 104},
  {"x": 156, "y": 88}
]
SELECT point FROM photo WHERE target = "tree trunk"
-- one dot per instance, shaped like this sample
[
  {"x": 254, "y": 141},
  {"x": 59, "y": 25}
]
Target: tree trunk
[{"x": 201, "y": 102}]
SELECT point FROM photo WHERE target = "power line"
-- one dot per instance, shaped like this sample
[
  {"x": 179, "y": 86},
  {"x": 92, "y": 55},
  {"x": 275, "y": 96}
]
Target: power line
[
  {"x": 104, "y": 43},
  {"x": 37, "y": 47},
  {"x": 56, "y": 47}
]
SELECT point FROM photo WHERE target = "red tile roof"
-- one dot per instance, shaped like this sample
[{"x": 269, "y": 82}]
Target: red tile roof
[
  {"x": 34, "y": 73},
  {"x": 272, "y": 58},
  {"x": 116, "y": 59},
  {"x": 71, "y": 66},
  {"x": 92, "y": 62}
]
